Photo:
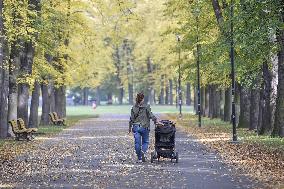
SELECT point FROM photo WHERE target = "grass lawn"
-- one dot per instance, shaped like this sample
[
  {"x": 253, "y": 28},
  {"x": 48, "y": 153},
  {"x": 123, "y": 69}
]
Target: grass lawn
[
  {"x": 244, "y": 135},
  {"x": 121, "y": 109}
]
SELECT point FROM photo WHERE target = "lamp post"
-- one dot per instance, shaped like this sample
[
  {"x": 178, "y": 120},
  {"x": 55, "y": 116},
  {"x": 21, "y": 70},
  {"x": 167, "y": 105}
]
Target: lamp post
[
  {"x": 196, "y": 14},
  {"x": 235, "y": 138},
  {"x": 179, "y": 80}
]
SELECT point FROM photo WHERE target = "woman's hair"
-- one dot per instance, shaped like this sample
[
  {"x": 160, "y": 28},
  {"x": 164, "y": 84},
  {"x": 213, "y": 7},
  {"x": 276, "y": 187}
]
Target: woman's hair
[{"x": 139, "y": 98}]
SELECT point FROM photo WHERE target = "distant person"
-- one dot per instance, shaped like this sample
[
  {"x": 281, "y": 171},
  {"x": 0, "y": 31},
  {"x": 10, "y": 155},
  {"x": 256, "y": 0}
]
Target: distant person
[
  {"x": 94, "y": 105},
  {"x": 139, "y": 124}
]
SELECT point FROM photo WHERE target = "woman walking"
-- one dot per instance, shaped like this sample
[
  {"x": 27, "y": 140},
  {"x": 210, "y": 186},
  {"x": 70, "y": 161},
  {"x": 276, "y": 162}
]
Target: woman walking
[{"x": 140, "y": 126}]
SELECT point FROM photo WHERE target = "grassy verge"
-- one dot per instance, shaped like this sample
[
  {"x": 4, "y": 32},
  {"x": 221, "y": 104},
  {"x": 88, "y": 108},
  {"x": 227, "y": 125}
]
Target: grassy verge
[
  {"x": 244, "y": 135},
  {"x": 262, "y": 157},
  {"x": 50, "y": 130},
  {"x": 9, "y": 148}
]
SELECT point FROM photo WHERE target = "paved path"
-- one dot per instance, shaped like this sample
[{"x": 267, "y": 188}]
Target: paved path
[{"x": 98, "y": 153}]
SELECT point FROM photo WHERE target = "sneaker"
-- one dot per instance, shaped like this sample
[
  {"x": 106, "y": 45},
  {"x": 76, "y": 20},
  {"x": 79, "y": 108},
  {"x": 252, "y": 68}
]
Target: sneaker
[
  {"x": 139, "y": 161},
  {"x": 143, "y": 157}
]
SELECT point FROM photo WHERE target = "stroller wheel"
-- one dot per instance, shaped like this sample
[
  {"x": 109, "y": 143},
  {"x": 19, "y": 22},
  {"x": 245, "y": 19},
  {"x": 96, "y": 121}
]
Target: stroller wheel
[
  {"x": 176, "y": 157},
  {"x": 152, "y": 157}
]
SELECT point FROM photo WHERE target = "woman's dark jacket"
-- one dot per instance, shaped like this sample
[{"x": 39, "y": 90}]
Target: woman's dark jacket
[{"x": 141, "y": 114}]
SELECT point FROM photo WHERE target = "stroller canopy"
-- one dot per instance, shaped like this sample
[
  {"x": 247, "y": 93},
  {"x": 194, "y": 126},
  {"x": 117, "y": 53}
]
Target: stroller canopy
[{"x": 166, "y": 129}]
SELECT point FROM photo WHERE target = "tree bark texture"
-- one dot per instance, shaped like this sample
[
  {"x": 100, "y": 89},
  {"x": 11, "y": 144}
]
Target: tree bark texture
[
  {"x": 51, "y": 95},
  {"x": 222, "y": 104},
  {"x": 202, "y": 100},
  {"x": 171, "y": 95},
  {"x": 4, "y": 78},
  {"x": 162, "y": 92},
  {"x": 33, "y": 120},
  {"x": 121, "y": 94},
  {"x": 188, "y": 94},
  {"x": 265, "y": 126},
  {"x": 279, "y": 113},
  {"x": 217, "y": 11},
  {"x": 98, "y": 95},
  {"x": 274, "y": 84},
  {"x": 211, "y": 99},
  {"x": 206, "y": 99},
  {"x": 228, "y": 105},
  {"x": 85, "y": 96},
  {"x": 45, "y": 104},
  {"x": 151, "y": 96},
  {"x": 60, "y": 101},
  {"x": 177, "y": 94},
  {"x": 118, "y": 66},
  {"x": 23, "y": 87},
  {"x": 216, "y": 102},
  {"x": 14, "y": 65},
  {"x": 167, "y": 93},
  {"x": 244, "y": 120},
  {"x": 195, "y": 100},
  {"x": 254, "y": 109}
]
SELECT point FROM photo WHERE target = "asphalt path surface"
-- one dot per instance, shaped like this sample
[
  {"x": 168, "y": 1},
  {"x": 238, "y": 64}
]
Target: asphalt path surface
[{"x": 99, "y": 153}]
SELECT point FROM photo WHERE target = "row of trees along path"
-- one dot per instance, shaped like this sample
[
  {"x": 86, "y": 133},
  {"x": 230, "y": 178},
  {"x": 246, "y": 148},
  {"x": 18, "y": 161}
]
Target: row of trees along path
[{"x": 49, "y": 46}]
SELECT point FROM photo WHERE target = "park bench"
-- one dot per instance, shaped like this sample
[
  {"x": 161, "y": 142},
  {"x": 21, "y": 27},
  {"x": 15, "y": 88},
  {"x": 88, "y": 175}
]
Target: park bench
[
  {"x": 22, "y": 125},
  {"x": 55, "y": 119},
  {"x": 20, "y": 133}
]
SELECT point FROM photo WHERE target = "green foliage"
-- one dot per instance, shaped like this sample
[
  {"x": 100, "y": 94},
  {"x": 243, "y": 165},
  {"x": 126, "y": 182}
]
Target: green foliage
[{"x": 255, "y": 26}]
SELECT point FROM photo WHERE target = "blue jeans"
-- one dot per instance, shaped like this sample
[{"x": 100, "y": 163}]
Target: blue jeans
[{"x": 140, "y": 134}]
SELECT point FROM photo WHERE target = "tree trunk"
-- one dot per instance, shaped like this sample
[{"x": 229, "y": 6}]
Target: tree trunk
[
  {"x": 60, "y": 101},
  {"x": 121, "y": 93},
  {"x": 23, "y": 99},
  {"x": 265, "y": 126},
  {"x": 228, "y": 104},
  {"x": 109, "y": 98},
  {"x": 98, "y": 95},
  {"x": 244, "y": 120},
  {"x": 167, "y": 94},
  {"x": 3, "y": 102},
  {"x": 151, "y": 92},
  {"x": 130, "y": 93},
  {"x": 33, "y": 120},
  {"x": 51, "y": 95},
  {"x": 85, "y": 96},
  {"x": 130, "y": 79},
  {"x": 45, "y": 105},
  {"x": 162, "y": 92},
  {"x": 154, "y": 96},
  {"x": 176, "y": 94},
  {"x": 203, "y": 96},
  {"x": 188, "y": 94},
  {"x": 254, "y": 109},
  {"x": 151, "y": 96},
  {"x": 279, "y": 113},
  {"x": 274, "y": 85},
  {"x": 237, "y": 101},
  {"x": 211, "y": 100},
  {"x": 195, "y": 100},
  {"x": 222, "y": 104},
  {"x": 4, "y": 78},
  {"x": 14, "y": 64},
  {"x": 218, "y": 12},
  {"x": 23, "y": 87},
  {"x": 171, "y": 95},
  {"x": 216, "y": 102},
  {"x": 206, "y": 111}
]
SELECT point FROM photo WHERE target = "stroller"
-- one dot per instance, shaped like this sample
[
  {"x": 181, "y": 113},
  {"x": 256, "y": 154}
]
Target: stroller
[{"x": 164, "y": 141}]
